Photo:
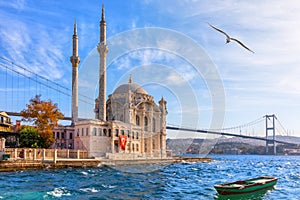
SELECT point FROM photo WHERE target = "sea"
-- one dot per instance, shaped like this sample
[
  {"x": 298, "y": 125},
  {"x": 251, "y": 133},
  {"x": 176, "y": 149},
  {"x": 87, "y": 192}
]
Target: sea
[{"x": 172, "y": 181}]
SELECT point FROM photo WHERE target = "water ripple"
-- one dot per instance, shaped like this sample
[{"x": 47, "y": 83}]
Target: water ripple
[{"x": 175, "y": 181}]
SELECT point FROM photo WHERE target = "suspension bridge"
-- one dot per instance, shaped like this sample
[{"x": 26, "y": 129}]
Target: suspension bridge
[
  {"x": 270, "y": 132},
  {"x": 19, "y": 84}
]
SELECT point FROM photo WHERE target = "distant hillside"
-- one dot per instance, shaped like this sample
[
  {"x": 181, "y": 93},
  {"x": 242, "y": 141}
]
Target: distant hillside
[
  {"x": 291, "y": 139},
  {"x": 179, "y": 146},
  {"x": 234, "y": 145}
]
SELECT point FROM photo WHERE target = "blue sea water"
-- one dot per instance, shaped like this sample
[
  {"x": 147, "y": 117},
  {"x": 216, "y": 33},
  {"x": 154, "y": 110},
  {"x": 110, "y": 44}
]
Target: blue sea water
[{"x": 175, "y": 181}]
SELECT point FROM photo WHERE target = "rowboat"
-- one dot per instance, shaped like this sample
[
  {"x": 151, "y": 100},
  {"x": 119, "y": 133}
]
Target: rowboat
[{"x": 246, "y": 186}]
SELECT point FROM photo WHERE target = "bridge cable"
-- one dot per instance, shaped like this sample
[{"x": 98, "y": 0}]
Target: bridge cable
[
  {"x": 252, "y": 123},
  {"x": 285, "y": 132},
  {"x": 12, "y": 89},
  {"x": 256, "y": 121},
  {"x": 46, "y": 85},
  {"x": 6, "y": 107},
  {"x": 18, "y": 83},
  {"x": 41, "y": 77}
]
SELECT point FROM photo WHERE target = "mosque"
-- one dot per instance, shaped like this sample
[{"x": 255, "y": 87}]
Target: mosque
[{"x": 127, "y": 125}]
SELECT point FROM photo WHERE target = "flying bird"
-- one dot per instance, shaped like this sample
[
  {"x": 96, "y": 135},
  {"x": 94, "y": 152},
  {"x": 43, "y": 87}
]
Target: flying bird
[{"x": 228, "y": 39}]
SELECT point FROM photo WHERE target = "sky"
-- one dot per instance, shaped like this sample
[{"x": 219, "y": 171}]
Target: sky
[{"x": 171, "y": 51}]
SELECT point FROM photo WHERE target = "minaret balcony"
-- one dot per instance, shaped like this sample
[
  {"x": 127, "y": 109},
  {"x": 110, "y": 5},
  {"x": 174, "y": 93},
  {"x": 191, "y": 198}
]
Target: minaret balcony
[
  {"x": 102, "y": 49},
  {"x": 75, "y": 59}
]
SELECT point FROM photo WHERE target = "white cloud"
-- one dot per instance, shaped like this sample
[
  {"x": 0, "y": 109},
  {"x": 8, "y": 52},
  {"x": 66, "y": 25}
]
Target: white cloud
[
  {"x": 268, "y": 79},
  {"x": 32, "y": 46},
  {"x": 142, "y": 57},
  {"x": 265, "y": 81},
  {"x": 16, "y": 4},
  {"x": 273, "y": 34}
]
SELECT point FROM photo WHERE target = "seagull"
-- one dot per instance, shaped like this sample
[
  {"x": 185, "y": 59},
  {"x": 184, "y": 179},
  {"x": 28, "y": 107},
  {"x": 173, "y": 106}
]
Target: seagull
[{"x": 228, "y": 39}]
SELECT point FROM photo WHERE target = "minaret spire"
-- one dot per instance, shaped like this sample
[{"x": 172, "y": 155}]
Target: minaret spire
[
  {"x": 130, "y": 79},
  {"x": 100, "y": 107},
  {"x": 102, "y": 27},
  {"x": 75, "y": 60},
  {"x": 75, "y": 28},
  {"x": 102, "y": 18}
]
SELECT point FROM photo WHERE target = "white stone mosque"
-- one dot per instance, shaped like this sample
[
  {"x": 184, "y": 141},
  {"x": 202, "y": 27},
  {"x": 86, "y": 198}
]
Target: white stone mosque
[{"x": 127, "y": 125}]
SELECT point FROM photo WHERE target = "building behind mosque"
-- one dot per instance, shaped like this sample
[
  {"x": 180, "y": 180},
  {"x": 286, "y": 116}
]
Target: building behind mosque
[{"x": 127, "y": 125}]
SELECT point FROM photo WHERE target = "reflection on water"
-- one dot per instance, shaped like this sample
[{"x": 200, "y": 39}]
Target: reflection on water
[
  {"x": 142, "y": 168},
  {"x": 259, "y": 195}
]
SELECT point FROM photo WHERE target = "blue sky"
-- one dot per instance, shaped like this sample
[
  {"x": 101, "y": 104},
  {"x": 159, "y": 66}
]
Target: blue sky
[{"x": 38, "y": 35}]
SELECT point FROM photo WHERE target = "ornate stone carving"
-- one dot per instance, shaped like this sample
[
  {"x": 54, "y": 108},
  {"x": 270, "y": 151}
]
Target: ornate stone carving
[{"x": 102, "y": 49}]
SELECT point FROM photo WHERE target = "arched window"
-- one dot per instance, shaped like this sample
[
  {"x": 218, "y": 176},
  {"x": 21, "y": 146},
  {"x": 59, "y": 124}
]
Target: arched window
[
  {"x": 94, "y": 131},
  {"x": 99, "y": 132},
  {"x": 104, "y": 132},
  {"x": 146, "y": 123},
  {"x": 153, "y": 125},
  {"x": 137, "y": 135},
  {"x": 137, "y": 120},
  {"x": 128, "y": 134}
]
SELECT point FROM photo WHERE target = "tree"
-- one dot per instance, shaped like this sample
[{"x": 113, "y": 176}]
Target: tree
[
  {"x": 29, "y": 137},
  {"x": 45, "y": 116}
]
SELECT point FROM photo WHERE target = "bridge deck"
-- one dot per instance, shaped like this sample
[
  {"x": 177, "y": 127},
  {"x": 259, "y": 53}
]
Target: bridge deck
[
  {"x": 228, "y": 134},
  {"x": 196, "y": 130}
]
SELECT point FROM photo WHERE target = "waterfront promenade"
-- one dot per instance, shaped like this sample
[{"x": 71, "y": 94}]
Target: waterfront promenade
[{"x": 30, "y": 158}]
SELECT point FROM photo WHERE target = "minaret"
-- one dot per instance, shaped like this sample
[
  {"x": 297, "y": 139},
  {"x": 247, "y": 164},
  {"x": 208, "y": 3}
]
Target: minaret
[
  {"x": 163, "y": 133},
  {"x": 100, "y": 107},
  {"x": 164, "y": 112},
  {"x": 75, "y": 60},
  {"x": 129, "y": 116},
  {"x": 130, "y": 79}
]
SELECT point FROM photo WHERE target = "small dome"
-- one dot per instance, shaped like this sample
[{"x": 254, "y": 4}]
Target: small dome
[{"x": 134, "y": 88}]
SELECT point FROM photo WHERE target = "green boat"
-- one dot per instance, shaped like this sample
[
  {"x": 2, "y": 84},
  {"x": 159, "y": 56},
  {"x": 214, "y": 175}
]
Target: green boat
[{"x": 246, "y": 186}]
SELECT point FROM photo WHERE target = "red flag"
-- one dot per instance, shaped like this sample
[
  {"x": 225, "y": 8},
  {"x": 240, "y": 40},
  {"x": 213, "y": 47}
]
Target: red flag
[{"x": 122, "y": 142}]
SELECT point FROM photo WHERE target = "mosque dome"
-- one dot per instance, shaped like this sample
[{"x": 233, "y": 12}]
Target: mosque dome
[{"x": 134, "y": 88}]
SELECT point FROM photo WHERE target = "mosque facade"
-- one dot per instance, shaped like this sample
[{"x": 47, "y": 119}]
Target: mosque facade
[{"x": 129, "y": 124}]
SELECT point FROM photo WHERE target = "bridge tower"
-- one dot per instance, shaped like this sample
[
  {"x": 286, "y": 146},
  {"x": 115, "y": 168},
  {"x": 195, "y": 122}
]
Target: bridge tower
[{"x": 270, "y": 131}]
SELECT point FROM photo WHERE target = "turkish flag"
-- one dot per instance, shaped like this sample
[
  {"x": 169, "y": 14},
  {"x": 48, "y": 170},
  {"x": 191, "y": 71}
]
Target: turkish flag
[{"x": 122, "y": 142}]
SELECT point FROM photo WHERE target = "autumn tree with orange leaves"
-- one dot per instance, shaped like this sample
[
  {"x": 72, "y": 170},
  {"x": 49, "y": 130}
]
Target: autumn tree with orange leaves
[{"x": 44, "y": 115}]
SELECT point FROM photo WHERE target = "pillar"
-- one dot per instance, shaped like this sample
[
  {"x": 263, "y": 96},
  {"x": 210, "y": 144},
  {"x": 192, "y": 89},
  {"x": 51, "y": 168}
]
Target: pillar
[
  {"x": 78, "y": 154},
  {"x": 55, "y": 156},
  {"x": 34, "y": 154},
  {"x": 68, "y": 153},
  {"x": 25, "y": 156},
  {"x": 43, "y": 154},
  {"x": 16, "y": 152}
]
